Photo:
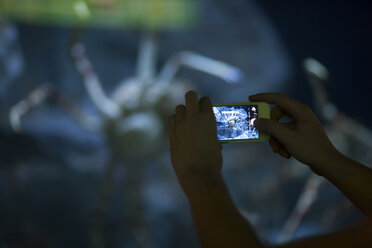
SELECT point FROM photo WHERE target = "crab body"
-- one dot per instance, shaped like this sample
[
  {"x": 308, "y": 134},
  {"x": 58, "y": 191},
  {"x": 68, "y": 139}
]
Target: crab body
[{"x": 139, "y": 130}]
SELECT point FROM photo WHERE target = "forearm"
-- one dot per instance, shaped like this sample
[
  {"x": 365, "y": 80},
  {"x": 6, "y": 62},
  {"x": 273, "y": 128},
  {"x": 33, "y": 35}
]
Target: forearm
[
  {"x": 351, "y": 177},
  {"x": 218, "y": 222}
]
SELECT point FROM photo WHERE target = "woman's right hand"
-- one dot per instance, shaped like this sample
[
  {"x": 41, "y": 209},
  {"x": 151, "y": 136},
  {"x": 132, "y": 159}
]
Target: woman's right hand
[{"x": 303, "y": 138}]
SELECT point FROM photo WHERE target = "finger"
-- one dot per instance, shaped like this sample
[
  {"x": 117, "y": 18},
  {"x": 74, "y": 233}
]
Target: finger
[
  {"x": 274, "y": 145},
  {"x": 192, "y": 102},
  {"x": 294, "y": 108},
  {"x": 171, "y": 122},
  {"x": 276, "y": 113},
  {"x": 172, "y": 138},
  {"x": 171, "y": 126},
  {"x": 180, "y": 114},
  {"x": 205, "y": 105},
  {"x": 284, "y": 153},
  {"x": 282, "y": 134},
  {"x": 288, "y": 125}
]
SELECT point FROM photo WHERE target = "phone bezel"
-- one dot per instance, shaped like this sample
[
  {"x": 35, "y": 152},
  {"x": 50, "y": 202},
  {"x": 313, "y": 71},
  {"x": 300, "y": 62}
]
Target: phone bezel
[{"x": 263, "y": 112}]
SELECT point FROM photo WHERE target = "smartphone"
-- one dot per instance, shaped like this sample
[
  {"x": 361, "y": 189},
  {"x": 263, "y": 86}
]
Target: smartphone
[{"x": 235, "y": 121}]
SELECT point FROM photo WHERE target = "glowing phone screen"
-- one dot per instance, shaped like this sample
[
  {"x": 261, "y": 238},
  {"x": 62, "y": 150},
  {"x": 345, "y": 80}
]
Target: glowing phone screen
[{"x": 236, "y": 122}]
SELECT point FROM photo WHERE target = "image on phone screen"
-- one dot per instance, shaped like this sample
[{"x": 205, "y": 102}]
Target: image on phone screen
[{"x": 236, "y": 122}]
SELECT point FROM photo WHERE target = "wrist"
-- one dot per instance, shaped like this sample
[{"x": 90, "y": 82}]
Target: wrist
[
  {"x": 327, "y": 162},
  {"x": 198, "y": 183}
]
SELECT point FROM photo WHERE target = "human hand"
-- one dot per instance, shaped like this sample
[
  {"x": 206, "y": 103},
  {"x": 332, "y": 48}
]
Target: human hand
[
  {"x": 304, "y": 137},
  {"x": 195, "y": 151}
]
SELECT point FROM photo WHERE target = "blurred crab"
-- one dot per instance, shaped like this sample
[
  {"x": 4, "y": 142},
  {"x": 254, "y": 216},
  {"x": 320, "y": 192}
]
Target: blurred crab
[{"x": 133, "y": 117}]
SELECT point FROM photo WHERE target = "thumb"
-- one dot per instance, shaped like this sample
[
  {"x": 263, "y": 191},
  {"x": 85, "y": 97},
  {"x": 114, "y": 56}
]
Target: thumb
[{"x": 281, "y": 133}]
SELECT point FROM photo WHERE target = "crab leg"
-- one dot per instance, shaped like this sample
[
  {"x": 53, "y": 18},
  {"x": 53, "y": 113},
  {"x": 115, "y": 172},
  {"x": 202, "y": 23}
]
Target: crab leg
[
  {"x": 305, "y": 201},
  {"x": 42, "y": 94},
  {"x": 318, "y": 75},
  {"x": 132, "y": 190},
  {"x": 146, "y": 64},
  {"x": 222, "y": 70},
  {"x": 34, "y": 99},
  {"x": 92, "y": 84},
  {"x": 103, "y": 204},
  {"x": 81, "y": 116}
]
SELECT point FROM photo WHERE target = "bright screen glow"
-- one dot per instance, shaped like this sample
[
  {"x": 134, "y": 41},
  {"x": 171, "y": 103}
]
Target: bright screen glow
[{"x": 236, "y": 122}]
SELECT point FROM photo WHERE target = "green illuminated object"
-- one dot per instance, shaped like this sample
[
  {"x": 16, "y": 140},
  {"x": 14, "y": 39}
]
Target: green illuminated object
[{"x": 138, "y": 14}]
